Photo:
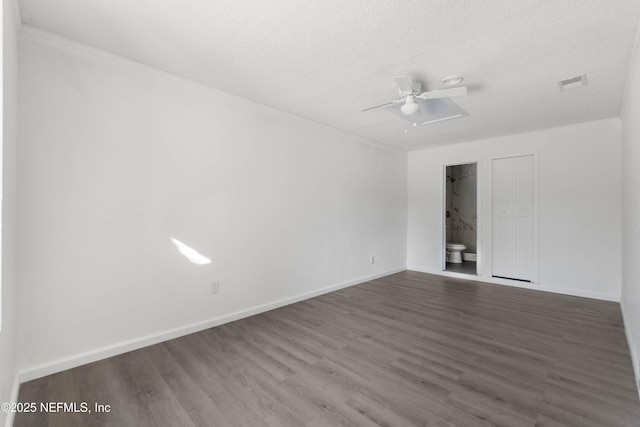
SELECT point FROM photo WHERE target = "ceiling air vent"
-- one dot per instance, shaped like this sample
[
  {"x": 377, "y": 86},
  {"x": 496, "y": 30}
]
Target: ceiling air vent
[{"x": 573, "y": 83}]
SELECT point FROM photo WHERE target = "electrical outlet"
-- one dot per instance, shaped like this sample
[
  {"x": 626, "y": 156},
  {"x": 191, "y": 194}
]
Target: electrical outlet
[
  {"x": 215, "y": 287},
  {"x": 373, "y": 260}
]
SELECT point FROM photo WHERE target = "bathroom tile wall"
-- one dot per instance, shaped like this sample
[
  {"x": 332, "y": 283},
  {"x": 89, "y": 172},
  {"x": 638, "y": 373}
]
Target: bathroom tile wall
[{"x": 462, "y": 213}]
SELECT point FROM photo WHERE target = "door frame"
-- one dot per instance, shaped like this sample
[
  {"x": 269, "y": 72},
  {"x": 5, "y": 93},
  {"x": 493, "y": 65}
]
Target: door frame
[
  {"x": 536, "y": 213},
  {"x": 443, "y": 210}
]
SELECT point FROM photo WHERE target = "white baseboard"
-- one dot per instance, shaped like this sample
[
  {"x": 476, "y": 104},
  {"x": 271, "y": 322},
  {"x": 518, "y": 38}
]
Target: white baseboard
[
  {"x": 49, "y": 368},
  {"x": 635, "y": 362},
  {"x": 15, "y": 389},
  {"x": 517, "y": 284}
]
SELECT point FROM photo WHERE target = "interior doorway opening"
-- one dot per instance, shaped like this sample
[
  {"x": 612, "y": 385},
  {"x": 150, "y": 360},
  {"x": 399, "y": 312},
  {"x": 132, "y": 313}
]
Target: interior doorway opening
[{"x": 461, "y": 218}]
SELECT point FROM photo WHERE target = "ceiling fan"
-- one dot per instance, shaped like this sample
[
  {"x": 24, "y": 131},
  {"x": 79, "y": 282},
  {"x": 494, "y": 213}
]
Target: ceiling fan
[{"x": 410, "y": 92}]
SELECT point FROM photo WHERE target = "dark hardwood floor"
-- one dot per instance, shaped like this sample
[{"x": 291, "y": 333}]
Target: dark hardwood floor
[{"x": 410, "y": 349}]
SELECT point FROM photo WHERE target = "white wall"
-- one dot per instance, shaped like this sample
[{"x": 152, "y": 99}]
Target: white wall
[
  {"x": 116, "y": 158},
  {"x": 8, "y": 332},
  {"x": 630, "y": 301},
  {"x": 579, "y": 205}
]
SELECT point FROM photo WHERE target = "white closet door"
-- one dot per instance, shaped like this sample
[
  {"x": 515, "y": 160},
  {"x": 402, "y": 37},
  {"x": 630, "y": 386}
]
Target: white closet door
[{"x": 513, "y": 218}]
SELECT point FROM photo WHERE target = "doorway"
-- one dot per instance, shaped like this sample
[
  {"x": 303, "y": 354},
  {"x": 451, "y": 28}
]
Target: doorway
[{"x": 461, "y": 218}]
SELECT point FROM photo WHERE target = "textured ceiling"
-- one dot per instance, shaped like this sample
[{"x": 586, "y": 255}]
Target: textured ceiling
[{"x": 327, "y": 59}]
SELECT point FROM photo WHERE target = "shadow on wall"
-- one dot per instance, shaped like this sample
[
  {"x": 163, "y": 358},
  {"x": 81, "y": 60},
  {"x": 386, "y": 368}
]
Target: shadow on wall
[{"x": 461, "y": 211}]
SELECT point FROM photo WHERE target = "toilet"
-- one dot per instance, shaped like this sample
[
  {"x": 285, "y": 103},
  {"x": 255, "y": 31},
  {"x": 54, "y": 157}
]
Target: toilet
[{"x": 455, "y": 252}]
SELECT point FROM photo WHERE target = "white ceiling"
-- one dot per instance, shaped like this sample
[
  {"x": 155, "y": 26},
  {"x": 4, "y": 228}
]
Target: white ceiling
[{"x": 327, "y": 59}]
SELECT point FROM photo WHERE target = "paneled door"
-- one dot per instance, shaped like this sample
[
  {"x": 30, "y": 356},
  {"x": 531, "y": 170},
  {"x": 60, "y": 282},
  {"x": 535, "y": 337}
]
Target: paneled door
[{"x": 513, "y": 215}]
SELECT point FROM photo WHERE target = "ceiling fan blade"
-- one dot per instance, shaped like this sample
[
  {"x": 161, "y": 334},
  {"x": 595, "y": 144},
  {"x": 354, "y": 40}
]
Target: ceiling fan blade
[
  {"x": 384, "y": 104},
  {"x": 404, "y": 84},
  {"x": 444, "y": 93}
]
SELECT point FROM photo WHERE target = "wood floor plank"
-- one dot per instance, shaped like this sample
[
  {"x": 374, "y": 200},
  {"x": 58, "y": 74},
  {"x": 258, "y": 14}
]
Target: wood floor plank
[
  {"x": 410, "y": 349},
  {"x": 377, "y": 412},
  {"x": 202, "y": 410}
]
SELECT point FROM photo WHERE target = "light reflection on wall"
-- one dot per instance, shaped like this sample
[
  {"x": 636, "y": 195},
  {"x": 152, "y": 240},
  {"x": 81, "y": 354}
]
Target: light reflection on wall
[{"x": 191, "y": 254}]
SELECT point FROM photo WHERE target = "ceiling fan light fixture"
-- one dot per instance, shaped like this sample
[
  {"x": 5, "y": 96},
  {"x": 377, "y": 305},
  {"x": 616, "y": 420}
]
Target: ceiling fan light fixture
[{"x": 410, "y": 106}]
